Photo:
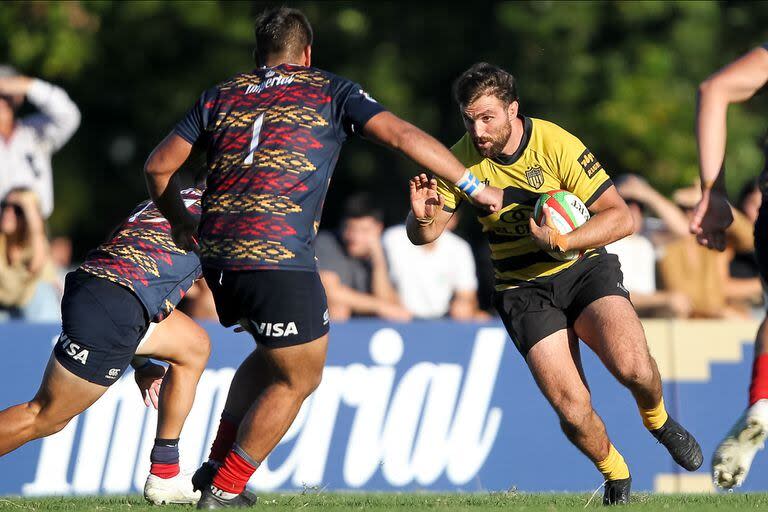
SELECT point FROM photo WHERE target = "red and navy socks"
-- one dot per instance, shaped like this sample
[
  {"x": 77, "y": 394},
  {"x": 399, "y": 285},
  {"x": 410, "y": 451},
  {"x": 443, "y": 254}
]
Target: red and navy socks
[
  {"x": 225, "y": 438},
  {"x": 165, "y": 458},
  {"x": 234, "y": 473}
]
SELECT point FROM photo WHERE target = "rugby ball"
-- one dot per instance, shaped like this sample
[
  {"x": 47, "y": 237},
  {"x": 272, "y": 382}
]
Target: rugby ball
[{"x": 567, "y": 212}]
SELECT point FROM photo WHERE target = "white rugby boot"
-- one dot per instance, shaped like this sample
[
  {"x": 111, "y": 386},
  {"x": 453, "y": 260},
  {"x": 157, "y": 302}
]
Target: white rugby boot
[
  {"x": 733, "y": 457},
  {"x": 164, "y": 491}
]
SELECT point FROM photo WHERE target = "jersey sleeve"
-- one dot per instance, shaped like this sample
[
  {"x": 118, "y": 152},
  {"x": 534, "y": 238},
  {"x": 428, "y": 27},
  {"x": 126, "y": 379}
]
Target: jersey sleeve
[
  {"x": 450, "y": 193},
  {"x": 353, "y": 108},
  {"x": 580, "y": 172},
  {"x": 195, "y": 122}
]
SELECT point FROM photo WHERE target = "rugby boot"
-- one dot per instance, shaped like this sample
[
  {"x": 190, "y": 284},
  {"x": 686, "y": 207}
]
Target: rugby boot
[
  {"x": 203, "y": 477},
  {"x": 617, "y": 491},
  {"x": 733, "y": 457},
  {"x": 166, "y": 491},
  {"x": 211, "y": 500},
  {"x": 680, "y": 444}
]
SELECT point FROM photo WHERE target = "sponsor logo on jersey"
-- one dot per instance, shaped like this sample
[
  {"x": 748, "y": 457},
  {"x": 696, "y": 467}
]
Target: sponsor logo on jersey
[
  {"x": 275, "y": 330},
  {"x": 271, "y": 81},
  {"x": 535, "y": 176},
  {"x": 74, "y": 350},
  {"x": 589, "y": 163}
]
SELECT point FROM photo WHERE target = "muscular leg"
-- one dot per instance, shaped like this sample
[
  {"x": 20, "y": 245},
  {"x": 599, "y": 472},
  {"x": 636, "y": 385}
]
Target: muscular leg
[
  {"x": 290, "y": 375},
  {"x": 611, "y": 328},
  {"x": 182, "y": 343},
  {"x": 555, "y": 364},
  {"x": 296, "y": 372},
  {"x": 758, "y": 388},
  {"x": 61, "y": 397},
  {"x": 613, "y": 331}
]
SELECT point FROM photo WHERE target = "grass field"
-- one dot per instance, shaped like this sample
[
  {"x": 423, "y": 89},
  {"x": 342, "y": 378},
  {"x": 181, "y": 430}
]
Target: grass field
[{"x": 511, "y": 501}]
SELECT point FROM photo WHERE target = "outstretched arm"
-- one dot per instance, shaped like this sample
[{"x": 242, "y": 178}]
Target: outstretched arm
[
  {"x": 389, "y": 130},
  {"x": 735, "y": 83}
]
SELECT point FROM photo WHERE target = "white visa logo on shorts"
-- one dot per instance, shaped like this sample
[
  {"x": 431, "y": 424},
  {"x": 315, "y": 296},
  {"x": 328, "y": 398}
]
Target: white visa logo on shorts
[
  {"x": 276, "y": 329},
  {"x": 73, "y": 349}
]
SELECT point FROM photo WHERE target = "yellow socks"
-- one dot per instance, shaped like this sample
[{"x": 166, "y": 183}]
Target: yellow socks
[
  {"x": 613, "y": 466},
  {"x": 655, "y": 418}
]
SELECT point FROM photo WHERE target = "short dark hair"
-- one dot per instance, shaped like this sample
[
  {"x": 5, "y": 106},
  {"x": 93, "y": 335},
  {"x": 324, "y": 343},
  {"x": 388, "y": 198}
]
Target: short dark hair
[
  {"x": 361, "y": 205},
  {"x": 483, "y": 78},
  {"x": 281, "y": 31}
]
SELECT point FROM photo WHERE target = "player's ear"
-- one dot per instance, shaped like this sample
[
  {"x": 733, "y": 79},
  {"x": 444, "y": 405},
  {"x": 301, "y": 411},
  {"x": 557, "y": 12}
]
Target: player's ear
[
  {"x": 308, "y": 56},
  {"x": 512, "y": 110}
]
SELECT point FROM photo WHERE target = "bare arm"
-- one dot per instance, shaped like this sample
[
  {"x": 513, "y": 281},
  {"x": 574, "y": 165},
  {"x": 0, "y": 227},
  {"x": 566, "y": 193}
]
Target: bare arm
[
  {"x": 610, "y": 221},
  {"x": 358, "y": 302},
  {"x": 635, "y": 188},
  {"x": 391, "y": 131},
  {"x": 735, "y": 83},
  {"x": 165, "y": 190},
  {"x": 381, "y": 286}
]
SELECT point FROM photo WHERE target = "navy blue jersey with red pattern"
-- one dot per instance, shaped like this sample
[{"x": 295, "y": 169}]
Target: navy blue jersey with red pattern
[
  {"x": 141, "y": 256},
  {"x": 273, "y": 137}
]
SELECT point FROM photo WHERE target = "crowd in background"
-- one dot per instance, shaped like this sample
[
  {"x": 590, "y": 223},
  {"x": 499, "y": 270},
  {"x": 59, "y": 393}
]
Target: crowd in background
[{"x": 368, "y": 269}]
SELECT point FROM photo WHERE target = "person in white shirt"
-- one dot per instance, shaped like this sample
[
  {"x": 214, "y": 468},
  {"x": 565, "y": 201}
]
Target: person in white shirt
[
  {"x": 27, "y": 143},
  {"x": 434, "y": 280}
]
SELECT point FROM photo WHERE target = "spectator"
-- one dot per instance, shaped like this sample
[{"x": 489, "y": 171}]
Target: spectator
[
  {"x": 702, "y": 274},
  {"x": 28, "y": 143},
  {"x": 744, "y": 265},
  {"x": 61, "y": 257},
  {"x": 354, "y": 268},
  {"x": 638, "y": 255},
  {"x": 437, "y": 279},
  {"x": 26, "y": 271}
]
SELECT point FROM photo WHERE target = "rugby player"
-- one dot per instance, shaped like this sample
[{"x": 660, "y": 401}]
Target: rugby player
[
  {"x": 735, "y": 83},
  {"x": 547, "y": 305},
  {"x": 120, "y": 304},
  {"x": 273, "y": 136}
]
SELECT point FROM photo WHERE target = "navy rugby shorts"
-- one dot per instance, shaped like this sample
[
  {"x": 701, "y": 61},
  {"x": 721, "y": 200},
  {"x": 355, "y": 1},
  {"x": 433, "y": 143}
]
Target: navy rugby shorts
[
  {"x": 103, "y": 324},
  {"x": 280, "y": 308}
]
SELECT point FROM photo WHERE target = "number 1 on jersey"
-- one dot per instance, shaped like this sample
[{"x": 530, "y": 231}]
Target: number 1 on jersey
[{"x": 254, "y": 139}]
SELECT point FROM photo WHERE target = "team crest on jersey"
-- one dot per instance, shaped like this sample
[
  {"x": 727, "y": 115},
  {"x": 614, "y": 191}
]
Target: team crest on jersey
[{"x": 535, "y": 176}]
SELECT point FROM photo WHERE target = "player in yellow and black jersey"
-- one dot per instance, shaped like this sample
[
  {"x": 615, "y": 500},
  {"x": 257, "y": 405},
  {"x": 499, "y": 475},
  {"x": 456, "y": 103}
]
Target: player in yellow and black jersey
[{"x": 548, "y": 305}]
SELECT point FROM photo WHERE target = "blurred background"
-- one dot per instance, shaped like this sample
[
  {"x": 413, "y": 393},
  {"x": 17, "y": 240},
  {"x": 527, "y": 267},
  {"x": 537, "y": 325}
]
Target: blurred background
[{"x": 620, "y": 75}]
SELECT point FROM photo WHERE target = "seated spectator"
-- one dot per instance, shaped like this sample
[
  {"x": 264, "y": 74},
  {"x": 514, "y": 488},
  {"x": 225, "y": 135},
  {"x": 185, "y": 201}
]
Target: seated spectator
[
  {"x": 703, "y": 274},
  {"x": 744, "y": 265},
  {"x": 637, "y": 254},
  {"x": 26, "y": 271},
  {"x": 434, "y": 280},
  {"x": 353, "y": 266},
  {"x": 28, "y": 142}
]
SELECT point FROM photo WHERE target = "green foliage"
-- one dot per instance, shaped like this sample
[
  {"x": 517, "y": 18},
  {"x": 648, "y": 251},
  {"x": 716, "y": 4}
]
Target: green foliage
[{"x": 621, "y": 75}]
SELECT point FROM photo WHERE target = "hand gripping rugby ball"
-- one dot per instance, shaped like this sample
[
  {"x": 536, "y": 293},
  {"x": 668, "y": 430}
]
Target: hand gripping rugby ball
[{"x": 567, "y": 212}]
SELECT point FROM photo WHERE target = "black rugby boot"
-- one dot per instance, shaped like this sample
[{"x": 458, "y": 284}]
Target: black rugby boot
[
  {"x": 616, "y": 491},
  {"x": 209, "y": 500},
  {"x": 203, "y": 477},
  {"x": 680, "y": 444}
]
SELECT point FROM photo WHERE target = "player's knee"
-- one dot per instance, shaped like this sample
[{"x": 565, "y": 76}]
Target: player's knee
[
  {"x": 197, "y": 350},
  {"x": 575, "y": 413},
  {"x": 41, "y": 421},
  {"x": 634, "y": 374},
  {"x": 305, "y": 384}
]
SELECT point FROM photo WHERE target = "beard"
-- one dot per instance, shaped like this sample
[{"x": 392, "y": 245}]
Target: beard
[{"x": 497, "y": 140}]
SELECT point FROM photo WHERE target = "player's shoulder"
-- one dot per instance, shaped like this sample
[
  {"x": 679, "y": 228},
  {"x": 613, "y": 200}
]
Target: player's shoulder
[{"x": 549, "y": 131}]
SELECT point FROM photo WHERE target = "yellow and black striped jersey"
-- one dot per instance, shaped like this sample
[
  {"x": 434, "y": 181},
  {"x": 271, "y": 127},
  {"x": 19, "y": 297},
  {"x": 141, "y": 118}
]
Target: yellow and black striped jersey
[{"x": 549, "y": 158}]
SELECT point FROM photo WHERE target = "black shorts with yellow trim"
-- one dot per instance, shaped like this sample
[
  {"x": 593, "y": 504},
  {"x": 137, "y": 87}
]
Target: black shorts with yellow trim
[{"x": 536, "y": 309}]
